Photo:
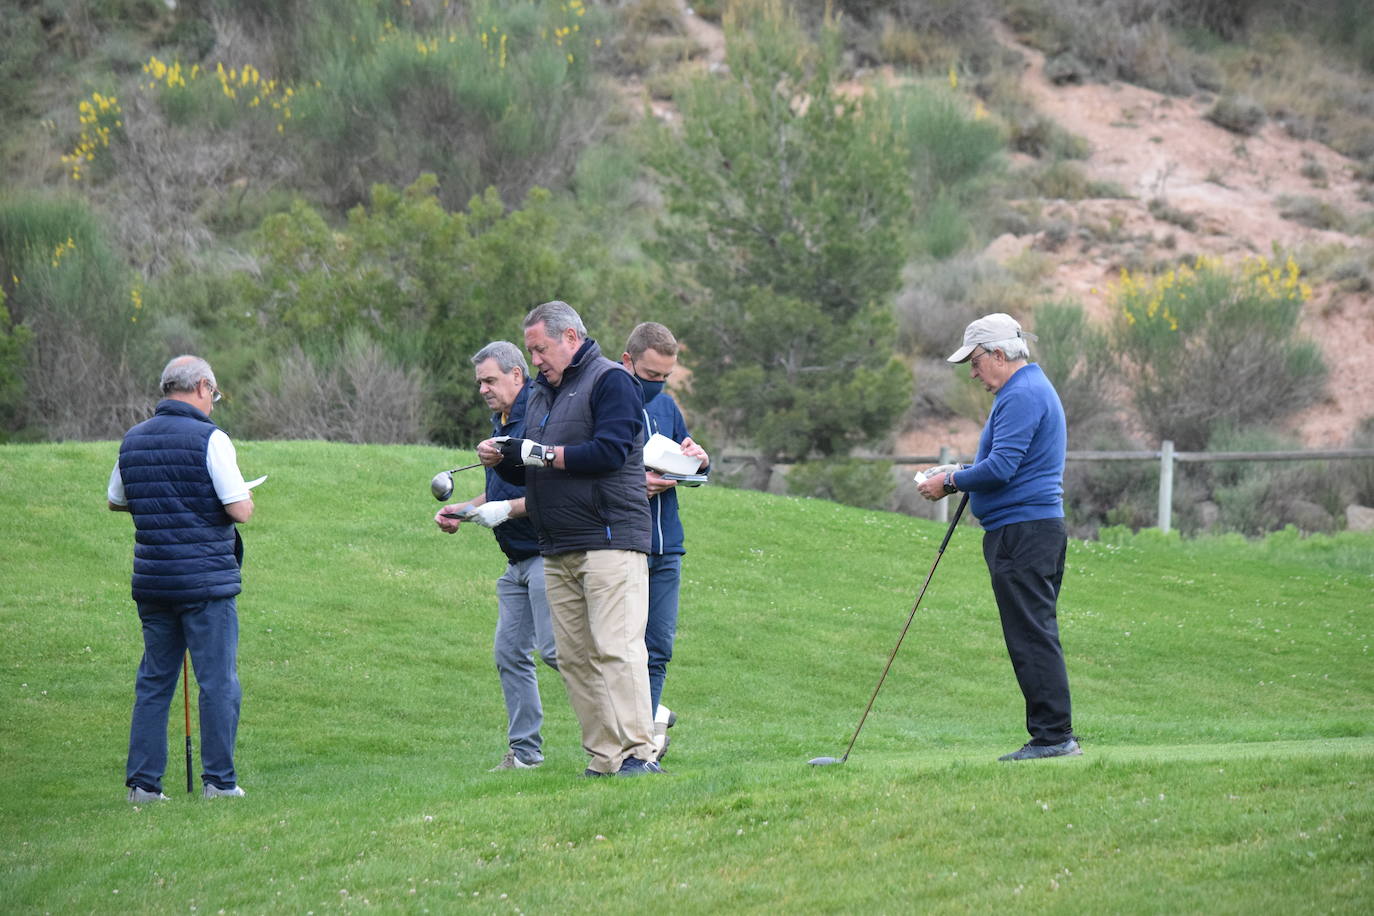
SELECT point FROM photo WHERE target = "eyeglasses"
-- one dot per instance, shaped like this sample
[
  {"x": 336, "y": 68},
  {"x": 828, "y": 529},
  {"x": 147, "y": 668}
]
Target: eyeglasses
[
  {"x": 977, "y": 356},
  {"x": 215, "y": 392}
]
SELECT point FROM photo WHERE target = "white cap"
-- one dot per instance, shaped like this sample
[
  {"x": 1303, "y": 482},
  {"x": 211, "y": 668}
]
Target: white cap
[{"x": 986, "y": 330}]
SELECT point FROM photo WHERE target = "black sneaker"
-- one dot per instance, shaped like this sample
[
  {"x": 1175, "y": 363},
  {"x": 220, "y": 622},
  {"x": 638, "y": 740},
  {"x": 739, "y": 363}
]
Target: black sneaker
[
  {"x": 1067, "y": 748},
  {"x": 633, "y": 766},
  {"x": 589, "y": 773}
]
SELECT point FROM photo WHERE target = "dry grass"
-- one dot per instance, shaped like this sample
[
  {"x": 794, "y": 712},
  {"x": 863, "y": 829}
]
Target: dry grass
[{"x": 1307, "y": 90}]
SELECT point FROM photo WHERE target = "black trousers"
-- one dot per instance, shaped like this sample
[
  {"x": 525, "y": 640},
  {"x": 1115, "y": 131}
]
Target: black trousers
[{"x": 1026, "y": 562}]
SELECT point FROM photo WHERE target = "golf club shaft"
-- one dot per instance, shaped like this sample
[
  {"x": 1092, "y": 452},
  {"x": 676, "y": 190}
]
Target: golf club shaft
[
  {"x": 186, "y": 700},
  {"x": 466, "y": 467},
  {"x": 930, "y": 575}
]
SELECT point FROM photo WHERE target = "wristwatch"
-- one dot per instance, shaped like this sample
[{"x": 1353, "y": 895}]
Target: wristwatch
[{"x": 949, "y": 483}]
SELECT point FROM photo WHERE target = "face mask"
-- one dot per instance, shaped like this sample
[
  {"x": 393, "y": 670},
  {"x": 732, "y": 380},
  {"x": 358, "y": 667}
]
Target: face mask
[{"x": 651, "y": 389}]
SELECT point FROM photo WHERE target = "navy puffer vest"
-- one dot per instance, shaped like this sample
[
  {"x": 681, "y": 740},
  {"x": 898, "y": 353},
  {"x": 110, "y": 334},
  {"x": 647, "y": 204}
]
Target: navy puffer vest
[
  {"x": 574, "y": 511},
  {"x": 516, "y": 536},
  {"x": 185, "y": 544}
]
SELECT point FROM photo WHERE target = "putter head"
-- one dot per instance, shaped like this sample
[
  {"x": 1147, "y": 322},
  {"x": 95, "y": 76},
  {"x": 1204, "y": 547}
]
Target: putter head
[
  {"x": 442, "y": 485},
  {"x": 824, "y": 761}
]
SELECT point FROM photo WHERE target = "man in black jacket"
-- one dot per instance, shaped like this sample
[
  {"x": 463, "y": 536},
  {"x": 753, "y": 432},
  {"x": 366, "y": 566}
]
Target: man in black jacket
[{"x": 585, "y": 495}]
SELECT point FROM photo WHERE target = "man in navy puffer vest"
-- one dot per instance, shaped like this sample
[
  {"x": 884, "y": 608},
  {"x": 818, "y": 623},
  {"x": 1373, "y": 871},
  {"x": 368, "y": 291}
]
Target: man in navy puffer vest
[
  {"x": 585, "y": 495},
  {"x": 178, "y": 476}
]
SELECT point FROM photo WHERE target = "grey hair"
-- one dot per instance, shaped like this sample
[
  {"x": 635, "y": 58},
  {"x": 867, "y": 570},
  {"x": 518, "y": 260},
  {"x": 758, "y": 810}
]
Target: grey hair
[
  {"x": 184, "y": 373},
  {"x": 1012, "y": 347},
  {"x": 557, "y": 316},
  {"x": 507, "y": 355}
]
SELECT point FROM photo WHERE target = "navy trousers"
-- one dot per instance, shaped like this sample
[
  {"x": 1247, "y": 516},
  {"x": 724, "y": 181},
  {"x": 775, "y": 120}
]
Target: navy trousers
[{"x": 1026, "y": 563}]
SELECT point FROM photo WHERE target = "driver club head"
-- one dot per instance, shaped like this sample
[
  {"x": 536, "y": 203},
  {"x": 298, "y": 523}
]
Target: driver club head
[
  {"x": 442, "y": 485},
  {"x": 824, "y": 761}
]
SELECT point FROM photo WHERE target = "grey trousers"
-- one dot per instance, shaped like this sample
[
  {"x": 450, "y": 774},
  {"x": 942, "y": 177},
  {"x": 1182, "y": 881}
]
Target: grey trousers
[{"x": 523, "y": 628}]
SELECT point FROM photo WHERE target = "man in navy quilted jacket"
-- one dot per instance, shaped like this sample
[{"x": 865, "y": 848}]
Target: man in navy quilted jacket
[{"x": 178, "y": 476}]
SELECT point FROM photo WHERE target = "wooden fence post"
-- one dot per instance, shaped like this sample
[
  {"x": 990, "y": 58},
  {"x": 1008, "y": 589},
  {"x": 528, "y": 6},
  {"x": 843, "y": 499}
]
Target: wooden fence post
[{"x": 1166, "y": 484}]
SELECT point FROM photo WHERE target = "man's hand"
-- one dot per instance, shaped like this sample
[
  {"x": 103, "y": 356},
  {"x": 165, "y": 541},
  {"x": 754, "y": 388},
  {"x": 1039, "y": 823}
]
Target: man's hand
[
  {"x": 692, "y": 450},
  {"x": 445, "y": 520},
  {"x": 931, "y": 483},
  {"x": 527, "y": 452},
  {"x": 656, "y": 484},
  {"x": 489, "y": 451}
]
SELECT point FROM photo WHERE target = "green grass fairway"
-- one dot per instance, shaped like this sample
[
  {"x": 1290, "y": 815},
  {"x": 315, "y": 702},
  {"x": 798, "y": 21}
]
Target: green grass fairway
[{"x": 1224, "y": 692}]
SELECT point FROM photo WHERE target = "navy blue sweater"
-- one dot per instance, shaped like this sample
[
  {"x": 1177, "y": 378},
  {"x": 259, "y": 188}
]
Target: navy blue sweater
[{"x": 1018, "y": 475}]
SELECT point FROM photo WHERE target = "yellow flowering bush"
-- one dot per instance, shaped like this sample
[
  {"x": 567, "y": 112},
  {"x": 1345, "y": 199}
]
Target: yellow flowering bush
[
  {"x": 1207, "y": 345},
  {"x": 101, "y": 118},
  {"x": 220, "y": 95}
]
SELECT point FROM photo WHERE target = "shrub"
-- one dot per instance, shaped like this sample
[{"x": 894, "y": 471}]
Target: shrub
[
  {"x": 86, "y": 366},
  {"x": 1207, "y": 346},
  {"x": 1125, "y": 41},
  {"x": 1162, "y": 210},
  {"x": 430, "y": 285},
  {"x": 1312, "y": 211},
  {"x": 1238, "y": 114},
  {"x": 854, "y": 482},
  {"x": 505, "y": 98},
  {"x": 354, "y": 393},
  {"x": 1100, "y": 494},
  {"x": 939, "y": 299},
  {"x": 1077, "y": 358}
]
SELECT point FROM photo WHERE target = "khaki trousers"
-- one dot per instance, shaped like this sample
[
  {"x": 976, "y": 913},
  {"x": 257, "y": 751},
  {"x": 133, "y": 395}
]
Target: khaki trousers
[{"x": 599, "y": 601}]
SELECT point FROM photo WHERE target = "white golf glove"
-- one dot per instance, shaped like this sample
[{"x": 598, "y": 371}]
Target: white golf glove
[
  {"x": 527, "y": 452},
  {"x": 491, "y": 514},
  {"x": 937, "y": 471}
]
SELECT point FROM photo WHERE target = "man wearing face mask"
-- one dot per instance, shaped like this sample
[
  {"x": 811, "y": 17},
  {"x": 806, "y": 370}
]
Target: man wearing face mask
[{"x": 651, "y": 356}]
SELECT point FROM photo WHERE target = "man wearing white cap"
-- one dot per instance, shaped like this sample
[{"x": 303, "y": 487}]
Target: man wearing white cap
[{"x": 1016, "y": 489}]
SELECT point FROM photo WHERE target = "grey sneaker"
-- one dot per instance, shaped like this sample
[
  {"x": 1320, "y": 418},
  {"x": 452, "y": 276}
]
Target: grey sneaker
[
  {"x": 139, "y": 796},
  {"x": 1067, "y": 748},
  {"x": 512, "y": 762},
  {"x": 213, "y": 791}
]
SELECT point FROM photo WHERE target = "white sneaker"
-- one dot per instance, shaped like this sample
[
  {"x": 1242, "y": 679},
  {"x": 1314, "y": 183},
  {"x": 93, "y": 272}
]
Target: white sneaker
[
  {"x": 139, "y": 796},
  {"x": 664, "y": 719},
  {"x": 211, "y": 791}
]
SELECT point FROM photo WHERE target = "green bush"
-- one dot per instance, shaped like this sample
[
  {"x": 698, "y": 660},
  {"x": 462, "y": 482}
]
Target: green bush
[
  {"x": 505, "y": 98},
  {"x": 87, "y": 361},
  {"x": 1105, "y": 494},
  {"x": 1077, "y": 358},
  {"x": 1238, "y": 114},
  {"x": 430, "y": 286},
  {"x": 949, "y": 146},
  {"x": 1312, "y": 211},
  {"x": 866, "y": 484},
  {"x": 1206, "y": 347}
]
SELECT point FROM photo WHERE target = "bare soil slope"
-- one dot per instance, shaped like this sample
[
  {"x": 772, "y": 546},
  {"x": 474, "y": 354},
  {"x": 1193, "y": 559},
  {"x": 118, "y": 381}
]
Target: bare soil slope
[{"x": 1157, "y": 146}]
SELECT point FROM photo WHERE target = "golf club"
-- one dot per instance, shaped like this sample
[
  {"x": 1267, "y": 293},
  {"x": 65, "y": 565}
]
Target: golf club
[
  {"x": 826, "y": 761},
  {"x": 442, "y": 484},
  {"x": 186, "y": 698}
]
